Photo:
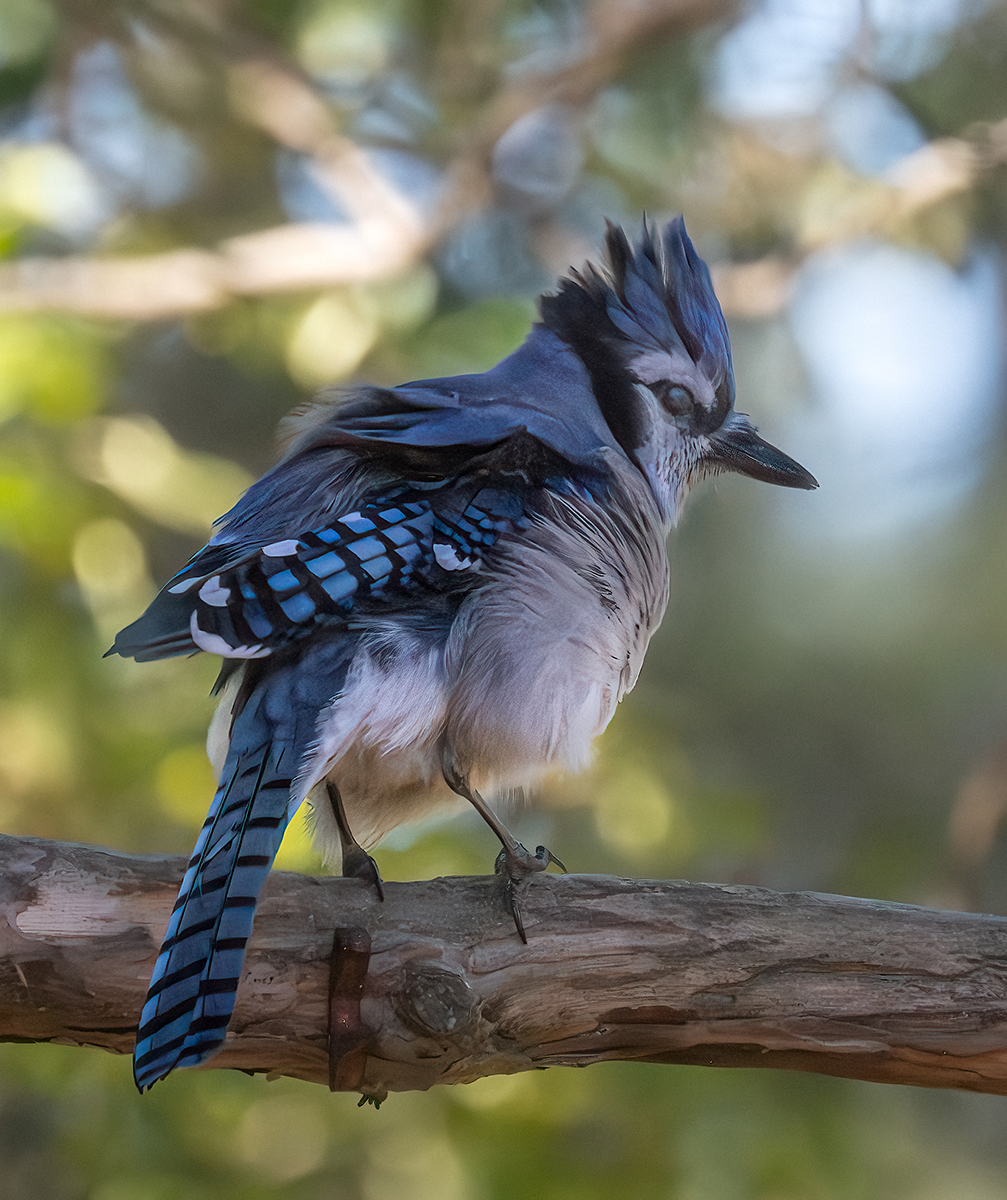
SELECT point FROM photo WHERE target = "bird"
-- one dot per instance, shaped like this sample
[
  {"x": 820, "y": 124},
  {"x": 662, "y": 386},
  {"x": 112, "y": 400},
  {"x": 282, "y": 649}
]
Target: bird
[{"x": 442, "y": 589}]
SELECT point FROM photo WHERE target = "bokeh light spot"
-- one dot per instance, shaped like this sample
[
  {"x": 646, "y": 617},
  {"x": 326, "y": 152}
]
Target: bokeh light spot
[
  {"x": 185, "y": 783},
  {"x": 344, "y": 43},
  {"x": 49, "y": 368},
  {"x": 632, "y": 810},
  {"x": 331, "y": 339},
  {"x": 47, "y": 184},
  {"x": 35, "y": 749},
  {"x": 282, "y": 1138},
  {"x": 138, "y": 460},
  {"x": 410, "y": 1161}
]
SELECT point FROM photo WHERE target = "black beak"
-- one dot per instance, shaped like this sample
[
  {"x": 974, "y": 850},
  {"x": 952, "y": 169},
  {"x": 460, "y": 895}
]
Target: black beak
[{"x": 737, "y": 447}]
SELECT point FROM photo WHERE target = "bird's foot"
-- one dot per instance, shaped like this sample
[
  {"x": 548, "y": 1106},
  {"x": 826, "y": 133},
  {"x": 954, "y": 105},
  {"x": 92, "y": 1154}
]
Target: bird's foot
[
  {"x": 358, "y": 864},
  {"x": 517, "y": 865}
]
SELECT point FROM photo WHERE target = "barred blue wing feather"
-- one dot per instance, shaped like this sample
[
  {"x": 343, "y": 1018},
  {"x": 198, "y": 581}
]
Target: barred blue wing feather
[
  {"x": 246, "y": 603},
  {"x": 293, "y": 585}
]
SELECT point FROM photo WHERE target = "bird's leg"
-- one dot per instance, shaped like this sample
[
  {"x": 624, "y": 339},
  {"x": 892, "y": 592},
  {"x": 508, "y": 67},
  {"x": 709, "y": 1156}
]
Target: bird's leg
[
  {"x": 357, "y": 863},
  {"x": 514, "y": 861}
]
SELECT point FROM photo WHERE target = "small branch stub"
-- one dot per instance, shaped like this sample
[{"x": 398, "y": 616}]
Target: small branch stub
[
  {"x": 348, "y": 1035},
  {"x": 434, "y": 986}
]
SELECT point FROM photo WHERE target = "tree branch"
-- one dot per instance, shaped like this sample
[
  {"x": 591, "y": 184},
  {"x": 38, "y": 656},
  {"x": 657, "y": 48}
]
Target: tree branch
[
  {"x": 433, "y": 986},
  {"x": 385, "y": 232}
]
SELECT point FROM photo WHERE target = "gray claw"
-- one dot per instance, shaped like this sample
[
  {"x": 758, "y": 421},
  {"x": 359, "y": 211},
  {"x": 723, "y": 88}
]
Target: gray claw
[
  {"x": 544, "y": 854},
  {"x": 517, "y": 867},
  {"x": 515, "y": 909}
]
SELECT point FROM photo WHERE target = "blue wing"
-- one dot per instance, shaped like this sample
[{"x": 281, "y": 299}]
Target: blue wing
[{"x": 245, "y": 602}]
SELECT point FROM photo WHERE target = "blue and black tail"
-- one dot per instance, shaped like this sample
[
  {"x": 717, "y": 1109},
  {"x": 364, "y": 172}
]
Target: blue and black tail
[
  {"x": 193, "y": 986},
  {"x": 192, "y": 989}
]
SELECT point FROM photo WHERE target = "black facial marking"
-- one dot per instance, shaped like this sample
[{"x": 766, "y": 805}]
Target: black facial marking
[
  {"x": 651, "y": 295},
  {"x": 577, "y": 315}
]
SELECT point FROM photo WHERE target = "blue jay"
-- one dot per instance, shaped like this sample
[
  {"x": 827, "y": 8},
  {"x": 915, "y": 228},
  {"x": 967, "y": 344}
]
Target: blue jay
[{"x": 443, "y": 589}]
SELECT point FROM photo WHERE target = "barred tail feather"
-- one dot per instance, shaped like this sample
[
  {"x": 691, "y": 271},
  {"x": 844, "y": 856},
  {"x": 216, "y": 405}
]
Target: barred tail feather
[
  {"x": 193, "y": 986},
  {"x": 195, "y": 979}
]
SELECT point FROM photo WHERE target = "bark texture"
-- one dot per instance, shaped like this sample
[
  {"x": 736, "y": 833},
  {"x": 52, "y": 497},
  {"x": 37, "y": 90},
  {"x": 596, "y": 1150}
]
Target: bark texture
[{"x": 433, "y": 986}]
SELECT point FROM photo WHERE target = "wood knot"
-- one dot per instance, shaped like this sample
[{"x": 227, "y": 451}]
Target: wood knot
[{"x": 436, "y": 1002}]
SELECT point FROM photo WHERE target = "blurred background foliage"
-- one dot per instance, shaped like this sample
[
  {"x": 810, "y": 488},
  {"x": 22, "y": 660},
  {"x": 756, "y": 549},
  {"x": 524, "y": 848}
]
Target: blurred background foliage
[{"x": 210, "y": 207}]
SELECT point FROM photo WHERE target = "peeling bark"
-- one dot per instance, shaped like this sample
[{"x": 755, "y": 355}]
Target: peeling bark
[{"x": 651, "y": 971}]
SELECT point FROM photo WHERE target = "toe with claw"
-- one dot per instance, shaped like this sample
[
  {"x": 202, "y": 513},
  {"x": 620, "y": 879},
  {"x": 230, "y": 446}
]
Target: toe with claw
[
  {"x": 358, "y": 864},
  {"x": 517, "y": 864}
]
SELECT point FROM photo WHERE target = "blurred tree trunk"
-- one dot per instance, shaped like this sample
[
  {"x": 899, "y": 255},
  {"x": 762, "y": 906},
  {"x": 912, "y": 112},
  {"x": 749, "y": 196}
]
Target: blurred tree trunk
[{"x": 433, "y": 985}]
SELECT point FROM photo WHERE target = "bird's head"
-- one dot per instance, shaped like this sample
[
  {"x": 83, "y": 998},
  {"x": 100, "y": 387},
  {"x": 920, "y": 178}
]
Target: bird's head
[{"x": 649, "y": 329}]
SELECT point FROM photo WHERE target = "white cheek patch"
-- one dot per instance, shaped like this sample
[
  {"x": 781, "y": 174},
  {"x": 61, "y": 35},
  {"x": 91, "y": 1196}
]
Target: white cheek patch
[
  {"x": 212, "y": 593},
  {"x": 447, "y": 558},
  {"x": 654, "y": 365},
  {"x": 281, "y": 549},
  {"x": 213, "y": 643}
]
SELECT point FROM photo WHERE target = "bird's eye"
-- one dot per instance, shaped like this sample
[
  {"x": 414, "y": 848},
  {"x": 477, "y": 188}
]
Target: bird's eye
[{"x": 678, "y": 400}]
